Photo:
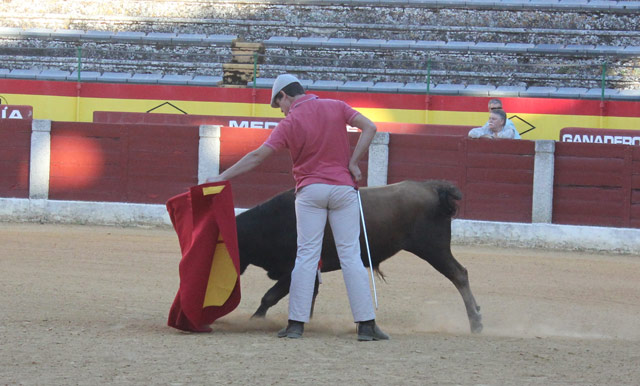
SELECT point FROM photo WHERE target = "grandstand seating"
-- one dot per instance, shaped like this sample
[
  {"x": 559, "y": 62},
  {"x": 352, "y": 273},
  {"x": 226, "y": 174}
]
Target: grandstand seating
[{"x": 508, "y": 47}]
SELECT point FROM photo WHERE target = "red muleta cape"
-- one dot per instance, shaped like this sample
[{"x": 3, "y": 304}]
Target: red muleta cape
[{"x": 205, "y": 222}]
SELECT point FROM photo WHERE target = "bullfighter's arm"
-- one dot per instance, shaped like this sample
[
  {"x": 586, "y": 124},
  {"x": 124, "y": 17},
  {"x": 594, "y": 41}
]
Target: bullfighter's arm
[
  {"x": 368, "y": 132},
  {"x": 246, "y": 163}
]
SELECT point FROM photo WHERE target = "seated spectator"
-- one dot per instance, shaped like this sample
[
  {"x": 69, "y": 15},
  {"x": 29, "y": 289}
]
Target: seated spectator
[
  {"x": 496, "y": 104},
  {"x": 496, "y": 127}
]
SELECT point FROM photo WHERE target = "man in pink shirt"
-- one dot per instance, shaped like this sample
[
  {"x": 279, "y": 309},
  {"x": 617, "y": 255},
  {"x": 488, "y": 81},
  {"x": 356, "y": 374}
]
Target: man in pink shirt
[{"x": 326, "y": 176}]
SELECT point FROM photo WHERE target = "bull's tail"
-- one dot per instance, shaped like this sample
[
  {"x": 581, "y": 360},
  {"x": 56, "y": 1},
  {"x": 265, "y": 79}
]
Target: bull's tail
[{"x": 448, "y": 195}]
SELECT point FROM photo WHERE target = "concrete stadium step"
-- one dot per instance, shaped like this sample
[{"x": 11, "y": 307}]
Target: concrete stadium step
[
  {"x": 47, "y": 38},
  {"x": 531, "y": 21},
  {"x": 531, "y": 43},
  {"x": 328, "y": 85},
  {"x": 346, "y": 59},
  {"x": 439, "y": 45}
]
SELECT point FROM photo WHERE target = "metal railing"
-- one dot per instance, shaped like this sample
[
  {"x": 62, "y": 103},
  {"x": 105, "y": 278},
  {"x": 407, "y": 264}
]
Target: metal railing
[{"x": 475, "y": 68}]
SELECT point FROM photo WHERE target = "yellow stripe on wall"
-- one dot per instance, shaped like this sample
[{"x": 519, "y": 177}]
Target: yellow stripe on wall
[{"x": 547, "y": 126}]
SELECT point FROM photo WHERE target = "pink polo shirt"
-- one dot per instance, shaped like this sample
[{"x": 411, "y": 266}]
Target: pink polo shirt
[{"x": 316, "y": 135}]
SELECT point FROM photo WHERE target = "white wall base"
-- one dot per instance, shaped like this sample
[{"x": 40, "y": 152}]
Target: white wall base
[
  {"x": 553, "y": 236},
  {"x": 83, "y": 212}
]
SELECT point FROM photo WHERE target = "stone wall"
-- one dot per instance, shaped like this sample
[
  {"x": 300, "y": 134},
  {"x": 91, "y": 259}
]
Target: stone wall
[
  {"x": 259, "y": 20},
  {"x": 109, "y": 56},
  {"x": 505, "y": 22}
]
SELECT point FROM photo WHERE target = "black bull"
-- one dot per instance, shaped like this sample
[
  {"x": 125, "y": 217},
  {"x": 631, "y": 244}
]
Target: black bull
[{"x": 411, "y": 216}]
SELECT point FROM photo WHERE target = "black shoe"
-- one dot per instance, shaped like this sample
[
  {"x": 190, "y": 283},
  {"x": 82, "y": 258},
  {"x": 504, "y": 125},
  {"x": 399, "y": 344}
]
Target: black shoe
[
  {"x": 293, "y": 330},
  {"x": 369, "y": 330}
]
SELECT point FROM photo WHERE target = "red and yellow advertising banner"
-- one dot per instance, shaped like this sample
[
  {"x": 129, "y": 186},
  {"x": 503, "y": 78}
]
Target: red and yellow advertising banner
[
  {"x": 586, "y": 135},
  {"x": 16, "y": 112},
  {"x": 534, "y": 118}
]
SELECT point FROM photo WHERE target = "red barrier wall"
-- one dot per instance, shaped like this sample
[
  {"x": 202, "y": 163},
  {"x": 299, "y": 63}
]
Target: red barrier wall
[
  {"x": 260, "y": 122},
  {"x": 15, "y": 151},
  {"x": 496, "y": 177},
  {"x": 597, "y": 184},
  {"x": 499, "y": 180},
  {"x": 419, "y": 128},
  {"x": 182, "y": 119},
  {"x": 122, "y": 163}
]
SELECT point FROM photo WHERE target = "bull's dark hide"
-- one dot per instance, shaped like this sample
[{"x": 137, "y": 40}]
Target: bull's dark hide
[{"x": 410, "y": 215}]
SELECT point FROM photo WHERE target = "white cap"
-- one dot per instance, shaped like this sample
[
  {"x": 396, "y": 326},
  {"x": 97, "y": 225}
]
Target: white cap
[{"x": 281, "y": 82}]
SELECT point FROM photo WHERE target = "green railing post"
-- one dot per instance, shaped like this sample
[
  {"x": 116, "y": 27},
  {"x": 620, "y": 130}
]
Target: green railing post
[
  {"x": 428, "y": 76},
  {"x": 79, "y": 62},
  {"x": 255, "y": 68},
  {"x": 604, "y": 77}
]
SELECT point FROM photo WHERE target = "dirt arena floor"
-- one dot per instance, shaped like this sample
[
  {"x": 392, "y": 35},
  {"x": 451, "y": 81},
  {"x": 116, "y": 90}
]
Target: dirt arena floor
[{"x": 87, "y": 305}]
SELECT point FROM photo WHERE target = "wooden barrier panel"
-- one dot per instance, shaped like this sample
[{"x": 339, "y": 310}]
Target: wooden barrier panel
[
  {"x": 495, "y": 176},
  {"x": 184, "y": 119},
  {"x": 15, "y": 152},
  {"x": 419, "y": 157},
  {"x": 262, "y": 122},
  {"x": 421, "y": 128},
  {"x": 122, "y": 163},
  {"x": 597, "y": 184},
  {"x": 499, "y": 180}
]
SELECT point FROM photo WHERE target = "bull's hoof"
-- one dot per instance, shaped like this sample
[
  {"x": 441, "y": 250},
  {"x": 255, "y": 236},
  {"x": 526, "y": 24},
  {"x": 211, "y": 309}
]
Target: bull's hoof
[
  {"x": 475, "y": 321},
  {"x": 476, "y": 324}
]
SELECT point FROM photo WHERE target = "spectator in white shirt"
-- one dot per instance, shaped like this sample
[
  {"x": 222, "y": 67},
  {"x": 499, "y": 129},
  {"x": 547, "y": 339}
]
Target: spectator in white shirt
[
  {"x": 496, "y": 127},
  {"x": 495, "y": 104}
]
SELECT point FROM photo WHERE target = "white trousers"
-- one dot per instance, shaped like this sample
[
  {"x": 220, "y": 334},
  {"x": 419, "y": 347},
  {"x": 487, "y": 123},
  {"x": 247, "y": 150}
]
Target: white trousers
[{"x": 314, "y": 205}]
